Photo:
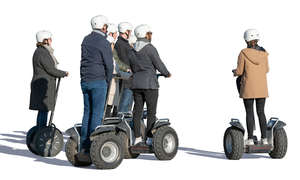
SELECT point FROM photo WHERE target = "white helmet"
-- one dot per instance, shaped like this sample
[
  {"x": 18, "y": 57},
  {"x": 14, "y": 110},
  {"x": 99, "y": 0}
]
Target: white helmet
[
  {"x": 132, "y": 39},
  {"x": 141, "y": 30},
  {"x": 98, "y": 22},
  {"x": 42, "y": 35},
  {"x": 251, "y": 34},
  {"x": 124, "y": 26},
  {"x": 112, "y": 28}
]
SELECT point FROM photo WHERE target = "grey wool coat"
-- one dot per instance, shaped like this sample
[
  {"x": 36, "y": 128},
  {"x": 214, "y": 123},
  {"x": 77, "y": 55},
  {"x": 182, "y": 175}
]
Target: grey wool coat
[{"x": 43, "y": 82}]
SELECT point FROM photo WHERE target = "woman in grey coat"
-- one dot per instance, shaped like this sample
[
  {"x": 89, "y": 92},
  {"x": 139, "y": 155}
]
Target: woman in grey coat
[
  {"x": 43, "y": 84},
  {"x": 144, "y": 63}
]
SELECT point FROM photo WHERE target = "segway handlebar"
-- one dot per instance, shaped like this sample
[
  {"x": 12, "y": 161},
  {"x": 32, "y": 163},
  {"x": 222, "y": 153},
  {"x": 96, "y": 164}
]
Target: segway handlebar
[
  {"x": 159, "y": 75},
  {"x": 56, "y": 92}
]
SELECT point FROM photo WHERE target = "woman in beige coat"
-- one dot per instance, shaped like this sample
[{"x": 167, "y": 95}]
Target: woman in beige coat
[{"x": 252, "y": 68}]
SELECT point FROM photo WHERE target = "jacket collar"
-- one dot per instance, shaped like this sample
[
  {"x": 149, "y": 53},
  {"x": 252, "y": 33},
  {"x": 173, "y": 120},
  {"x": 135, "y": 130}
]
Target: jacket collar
[
  {"x": 141, "y": 43},
  {"x": 122, "y": 39},
  {"x": 99, "y": 32}
]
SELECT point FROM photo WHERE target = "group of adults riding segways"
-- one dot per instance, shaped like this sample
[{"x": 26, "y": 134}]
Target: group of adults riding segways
[{"x": 120, "y": 70}]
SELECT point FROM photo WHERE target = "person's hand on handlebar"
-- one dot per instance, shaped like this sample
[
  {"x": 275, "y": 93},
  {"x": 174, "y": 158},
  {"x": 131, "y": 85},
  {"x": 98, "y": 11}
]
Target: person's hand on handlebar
[
  {"x": 233, "y": 71},
  {"x": 67, "y": 73},
  {"x": 169, "y": 75}
]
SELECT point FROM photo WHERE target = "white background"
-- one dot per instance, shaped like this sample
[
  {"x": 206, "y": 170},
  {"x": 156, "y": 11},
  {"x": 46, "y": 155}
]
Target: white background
[{"x": 199, "y": 41}]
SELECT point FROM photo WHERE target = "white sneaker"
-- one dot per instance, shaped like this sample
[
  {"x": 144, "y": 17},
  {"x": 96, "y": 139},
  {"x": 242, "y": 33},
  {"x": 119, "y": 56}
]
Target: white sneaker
[
  {"x": 264, "y": 141},
  {"x": 138, "y": 140},
  {"x": 149, "y": 141},
  {"x": 249, "y": 142}
]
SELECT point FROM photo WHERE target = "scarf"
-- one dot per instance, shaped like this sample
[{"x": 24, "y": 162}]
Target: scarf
[{"x": 51, "y": 51}]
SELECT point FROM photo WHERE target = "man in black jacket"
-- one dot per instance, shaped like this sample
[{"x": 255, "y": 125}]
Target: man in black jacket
[
  {"x": 123, "y": 47},
  {"x": 144, "y": 62},
  {"x": 96, "y": 73}
]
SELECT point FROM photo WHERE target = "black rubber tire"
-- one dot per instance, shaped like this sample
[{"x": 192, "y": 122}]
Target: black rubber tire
[
  {"x": 29, "y": 139},
  {"x": 71, "y": 151},
  {"x": 96, "y": 146},
  {"x": 280, "y": 142},
  {"x": 48, "y": 141},
  {"x": 158, "y": 138},
  {"x": 127, "y": 153},
  {"x": 237, "y": 148}
]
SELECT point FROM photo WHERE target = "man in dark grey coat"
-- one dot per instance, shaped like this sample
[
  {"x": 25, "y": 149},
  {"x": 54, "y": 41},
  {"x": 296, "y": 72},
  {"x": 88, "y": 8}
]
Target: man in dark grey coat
[
  {"x": 96, "y": 73},
  {"x": 43, "y": 84},
  {"x": 144, "y": 62}
]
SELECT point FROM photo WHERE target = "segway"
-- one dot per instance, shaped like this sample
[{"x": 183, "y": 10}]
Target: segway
[
  {"x": 165, "y": 139},
  {"x": 113, "y": 140},
  {"x": 234, "y": 145},
  {"x": 106, "y": 150},
  {"x": 46, "y": 141}
]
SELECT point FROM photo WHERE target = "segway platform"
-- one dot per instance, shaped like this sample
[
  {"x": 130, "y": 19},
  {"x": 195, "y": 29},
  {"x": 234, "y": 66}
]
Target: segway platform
[
  {"x": 141, "y": 149},
  {"x": 258, "y": 148}
]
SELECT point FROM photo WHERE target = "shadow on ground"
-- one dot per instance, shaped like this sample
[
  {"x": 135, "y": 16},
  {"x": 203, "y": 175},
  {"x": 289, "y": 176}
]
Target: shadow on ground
[
  {"x": 20, "y": 138},
  {"x": 216, "y": 155}
]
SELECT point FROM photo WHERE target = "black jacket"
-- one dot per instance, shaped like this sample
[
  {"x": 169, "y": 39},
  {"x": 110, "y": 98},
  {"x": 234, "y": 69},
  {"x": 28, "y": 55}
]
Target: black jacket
[
  {"x": 123, "y": 48},
  {"x": 144, "y": 64},
  {"x": 96, "y": 58},
  {"x": 43, "y": 82}
]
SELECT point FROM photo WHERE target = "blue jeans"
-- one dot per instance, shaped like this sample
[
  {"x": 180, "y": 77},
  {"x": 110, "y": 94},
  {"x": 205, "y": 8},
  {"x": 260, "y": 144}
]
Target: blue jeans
[
  {"x": 42, "y": 119},
  {"x": 94, "y": 96},
  {"x": 126, "y": 100}
]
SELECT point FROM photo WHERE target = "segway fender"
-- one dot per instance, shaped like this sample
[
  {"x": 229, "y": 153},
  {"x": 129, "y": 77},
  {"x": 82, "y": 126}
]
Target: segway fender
[
  {"x": 107, "y": 128},
  {"x": 161, "y": 122},
  {"x": 279, "y": 125},
  {"x": 102, "y": 129},
  {"x": 236, "y": 123},
  {"x": 123, "y": 127},
  {"x": 72, "y": 133}
]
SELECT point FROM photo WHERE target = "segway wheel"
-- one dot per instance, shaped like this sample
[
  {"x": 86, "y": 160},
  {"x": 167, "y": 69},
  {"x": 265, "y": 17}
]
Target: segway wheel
[
  {"x": 127, "y": 153},
  {"x": 48, "y": 141},
  {"x": 29, "y": 139},
  {"x": 233, "y": 143},
  {"x": 280, "y": 143},
  {"x": 107, "y": 151},
  {"x": 165, "y": 143},
  {"x": 71, "y": 152}
]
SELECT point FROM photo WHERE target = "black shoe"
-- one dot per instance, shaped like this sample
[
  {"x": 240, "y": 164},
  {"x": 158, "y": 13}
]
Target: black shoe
[{"x": 84, "y": 156}]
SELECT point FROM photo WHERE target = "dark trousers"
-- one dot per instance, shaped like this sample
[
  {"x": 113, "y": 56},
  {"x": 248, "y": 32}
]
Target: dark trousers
[
  {"x": 260, "y": 109},
  {"x": 141, "y": 96},
  {"x": 42, "y": 118}
]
